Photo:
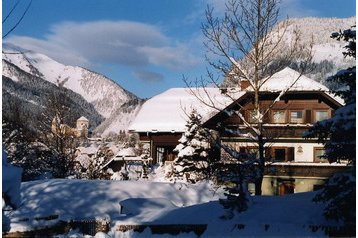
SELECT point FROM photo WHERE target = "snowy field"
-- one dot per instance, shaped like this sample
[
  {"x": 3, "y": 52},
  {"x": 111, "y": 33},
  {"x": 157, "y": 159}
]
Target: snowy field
[{"x": 148, "y": 203}]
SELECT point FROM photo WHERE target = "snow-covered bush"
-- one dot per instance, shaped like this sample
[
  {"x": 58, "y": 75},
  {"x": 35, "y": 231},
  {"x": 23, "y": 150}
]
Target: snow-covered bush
[
  {"x": 339, "y": 195},
  {"x": 122, "y": 174},
  {"x": 34, "y": 157}
]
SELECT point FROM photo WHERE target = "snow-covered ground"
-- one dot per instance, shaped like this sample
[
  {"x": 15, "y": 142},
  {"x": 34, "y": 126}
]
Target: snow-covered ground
[{"x": 158, "y": 203}]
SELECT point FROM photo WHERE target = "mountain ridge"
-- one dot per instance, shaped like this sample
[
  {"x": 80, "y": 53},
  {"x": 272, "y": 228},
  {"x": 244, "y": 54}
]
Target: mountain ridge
[
  {"x": 103, "y": 93},
  {"x": 327, "y": 57}
]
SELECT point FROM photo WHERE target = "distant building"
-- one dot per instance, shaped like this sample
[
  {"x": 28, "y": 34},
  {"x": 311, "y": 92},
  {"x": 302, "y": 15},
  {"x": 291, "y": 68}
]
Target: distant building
[
  {"x": 82, "y": 126},
  {"x": 122, "y": 158},
  {"x": 81, "y": 130}
]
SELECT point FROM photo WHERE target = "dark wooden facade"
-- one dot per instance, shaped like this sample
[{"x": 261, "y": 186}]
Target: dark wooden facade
[
  {"x": 307, "y": 103},
  {"x": 161, "y": 145}
]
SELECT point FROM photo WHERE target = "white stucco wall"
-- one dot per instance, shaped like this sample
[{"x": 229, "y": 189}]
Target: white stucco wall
[{"x": 307, "y": 154}]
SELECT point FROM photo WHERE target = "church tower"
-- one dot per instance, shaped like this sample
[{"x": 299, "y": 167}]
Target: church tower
[{"x": 82, "y": 125}]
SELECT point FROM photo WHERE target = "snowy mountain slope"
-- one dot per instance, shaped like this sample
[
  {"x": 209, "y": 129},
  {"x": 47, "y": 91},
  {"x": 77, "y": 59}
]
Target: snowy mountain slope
[
  {"x": 105, "y": 95},
  {"x": 28, "y": 96},
  {"x": 324, "y": 47},
  {"x": 127, "y": 112},
  {"x": 327, "y": 52}
]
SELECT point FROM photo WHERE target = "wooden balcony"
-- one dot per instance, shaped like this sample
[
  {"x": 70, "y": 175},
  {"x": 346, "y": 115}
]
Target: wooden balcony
[{"x": 313, "y": 170}]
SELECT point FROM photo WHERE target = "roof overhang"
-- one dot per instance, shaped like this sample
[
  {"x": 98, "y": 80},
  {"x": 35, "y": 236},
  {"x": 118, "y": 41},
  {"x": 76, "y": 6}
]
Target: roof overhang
[{"x": 331, "y": 100}]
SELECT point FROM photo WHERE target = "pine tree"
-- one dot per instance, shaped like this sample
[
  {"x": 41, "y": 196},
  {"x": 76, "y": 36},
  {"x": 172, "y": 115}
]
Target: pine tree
[
  {"x": 23, "y": 151},
  {"x": 193, "y": 161},
  {"x": 339, "y": 137},
  {"x": 339, "y": 132}
]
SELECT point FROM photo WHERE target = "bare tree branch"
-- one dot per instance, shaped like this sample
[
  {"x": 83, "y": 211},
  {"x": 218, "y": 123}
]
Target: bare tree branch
[
  {"x": 249, "y": 45},
  {"x": 19, "y": 21}
]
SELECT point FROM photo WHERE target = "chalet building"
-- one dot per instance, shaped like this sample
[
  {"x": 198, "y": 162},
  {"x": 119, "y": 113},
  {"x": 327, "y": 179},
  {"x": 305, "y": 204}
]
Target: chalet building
[
  {"x": 294, "y": 163},
  {"x": 161, "y": 121}
]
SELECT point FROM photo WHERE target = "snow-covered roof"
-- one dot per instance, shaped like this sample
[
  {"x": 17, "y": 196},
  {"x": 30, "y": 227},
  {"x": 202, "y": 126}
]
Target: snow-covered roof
[
  {"x": 168, "y": 111},
  {"x": 88, "y": 150},
  {"x": 82, "y": 118},
  {"x": 128, "y": 159},
  {"x": 84, "y": 160},
  {"x": 126, "y": 152},
  {"x": 294, "y": 82},
  {"x": 286, "y": 79}
]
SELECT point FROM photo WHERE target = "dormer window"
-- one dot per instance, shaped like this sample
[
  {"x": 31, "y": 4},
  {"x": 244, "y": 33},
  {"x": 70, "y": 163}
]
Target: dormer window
[
  {"x": 320, "y": 115},
  {"x": 296, "y": 116},
  {"x": 279, "y": 116},
  {"x": 252, "y": 117}
]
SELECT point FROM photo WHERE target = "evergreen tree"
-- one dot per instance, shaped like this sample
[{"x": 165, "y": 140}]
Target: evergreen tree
[
  {"x": 34, "y": 157},
  {"x": 339, "y": 137},
  {"x": 339, "y": 132},
  {"x": 193, "y": 161}
]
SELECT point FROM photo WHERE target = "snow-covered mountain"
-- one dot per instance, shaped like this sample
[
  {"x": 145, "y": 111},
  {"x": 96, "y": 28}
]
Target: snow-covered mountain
[
  {"x": 324, "y": 47},
  {"x": 327, "y": 52},
  {"x": 114, "y": 104}
]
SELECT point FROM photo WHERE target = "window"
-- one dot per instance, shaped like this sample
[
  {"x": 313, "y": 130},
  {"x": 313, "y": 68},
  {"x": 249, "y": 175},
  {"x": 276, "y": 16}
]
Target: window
[
  {"x": 279, "y": 117},
  {"x": 296, "y": 116},
  {"x": 250, "y": 151},
  {"x": 253, "y": 117},
  {"x": 164, "y": 153},
  {"x": 321, "y": 115},
  {"x": 280, "y": 155},
  {"x": 318, "y": 155},
  {"x": 160, "y": 154},
  {"x": 283, "y": 154},
  {"x": 253, "y": 152}
]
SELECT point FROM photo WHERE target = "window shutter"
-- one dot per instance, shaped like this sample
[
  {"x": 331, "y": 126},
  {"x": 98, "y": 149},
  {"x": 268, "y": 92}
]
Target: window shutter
[
  {"x": 332, "y": 112},
  {"x": 266, "y": 118},
  {"x": 290, "y": 153},
  {"x": 268, "y": 152},
  {"x": 245, "y": 115},
  {"x": 308, "y": 116}
]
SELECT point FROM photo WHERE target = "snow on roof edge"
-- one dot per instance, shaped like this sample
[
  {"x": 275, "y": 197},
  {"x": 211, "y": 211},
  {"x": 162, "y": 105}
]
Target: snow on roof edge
[{"x": 172, "y": 121}]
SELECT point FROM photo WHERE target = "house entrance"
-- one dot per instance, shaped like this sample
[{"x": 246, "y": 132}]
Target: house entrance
[
  {"x": 286, "y": 186},
  {"x": 164, "y": 153}
]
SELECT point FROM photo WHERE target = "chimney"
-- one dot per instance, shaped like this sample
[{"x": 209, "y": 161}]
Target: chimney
[
  {"x": 223, "y": 90},
  {"x": 244, "y": 84}
]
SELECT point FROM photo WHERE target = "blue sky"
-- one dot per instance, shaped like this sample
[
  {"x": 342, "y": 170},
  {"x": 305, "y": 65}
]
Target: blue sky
[{"x": 146, "y": 46}]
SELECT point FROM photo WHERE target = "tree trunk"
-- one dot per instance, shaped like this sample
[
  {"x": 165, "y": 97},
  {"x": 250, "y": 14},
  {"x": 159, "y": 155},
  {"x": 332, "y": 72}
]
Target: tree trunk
[
  {"x": 258, "y": 186},
  {"x": 258, "y": 183}
]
